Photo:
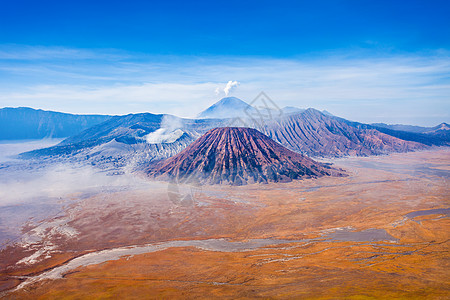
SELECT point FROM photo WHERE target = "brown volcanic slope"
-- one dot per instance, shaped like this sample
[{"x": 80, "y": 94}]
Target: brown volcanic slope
[
  {"x": 238, "y": 156},
  {"x": 316, "y": 134}
]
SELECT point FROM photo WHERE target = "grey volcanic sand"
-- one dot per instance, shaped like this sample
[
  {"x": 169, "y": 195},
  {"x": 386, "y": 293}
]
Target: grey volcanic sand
[
  {"x": 222, "y": 245},
  {"x": 437, "y": 211},
  {"x": 115, "y": 254},
  {"x": 368, "y": 235},
  {"x": 417, "y": 169}
]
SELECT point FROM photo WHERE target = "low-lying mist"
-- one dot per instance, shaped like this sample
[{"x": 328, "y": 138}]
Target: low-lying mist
[
  {"x": 9, "y": 149},
  {"x": 33, "y": 194},
  {"x": 18, "y": 186}
]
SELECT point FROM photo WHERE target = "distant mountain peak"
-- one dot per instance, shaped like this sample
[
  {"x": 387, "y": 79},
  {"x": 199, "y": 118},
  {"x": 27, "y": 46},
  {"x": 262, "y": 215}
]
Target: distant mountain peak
[
  {"x": 292, "y": 110},
  {"x": 313, "y": 111},
  {"x": 232, "y": 107},
  {"x": 443, "y": 126},
  {"x": 228, "y": 107},
  {"x": 231, "y": 100}
]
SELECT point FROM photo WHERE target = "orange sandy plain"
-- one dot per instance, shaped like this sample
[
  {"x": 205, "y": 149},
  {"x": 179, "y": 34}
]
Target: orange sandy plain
[{"x": 318, "y": 215}]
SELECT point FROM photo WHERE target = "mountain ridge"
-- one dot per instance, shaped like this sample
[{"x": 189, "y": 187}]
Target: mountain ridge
[
  {"x": 316, "y": 134},
  {"x": 18, "y": 123}
]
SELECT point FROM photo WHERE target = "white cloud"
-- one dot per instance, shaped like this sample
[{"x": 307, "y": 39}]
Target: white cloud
[{"x": 363, "y": 89}]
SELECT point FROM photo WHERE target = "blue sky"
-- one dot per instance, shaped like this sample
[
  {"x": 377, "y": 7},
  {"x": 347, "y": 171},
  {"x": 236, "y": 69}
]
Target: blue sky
[{"x": 364, "y": 60}]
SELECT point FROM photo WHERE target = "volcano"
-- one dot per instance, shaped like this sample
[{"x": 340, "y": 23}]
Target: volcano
[
  {"x": 237, "y": 156},
  {"x": 229, "y": 107}
]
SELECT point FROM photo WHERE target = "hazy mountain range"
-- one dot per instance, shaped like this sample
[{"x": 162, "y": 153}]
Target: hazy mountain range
[
  {"x": 441, "y": 131},
  {"x": 136, "y": 140},
  {"x": 27, "y": 123}
]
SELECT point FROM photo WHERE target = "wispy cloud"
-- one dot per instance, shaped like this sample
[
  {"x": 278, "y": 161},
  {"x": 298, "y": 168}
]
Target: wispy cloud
[
  {"x": 401, "y": 88},
  {"x": 25, "y": 52}
]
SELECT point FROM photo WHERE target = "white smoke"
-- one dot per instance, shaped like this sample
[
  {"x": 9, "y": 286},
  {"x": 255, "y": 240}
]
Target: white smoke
[
  {"x": 171, "y": 130},
  {"x": 230, "y": 86},
  {"x": 172, "y": 122}
]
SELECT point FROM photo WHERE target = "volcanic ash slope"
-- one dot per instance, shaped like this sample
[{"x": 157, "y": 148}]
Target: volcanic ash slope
[{"x": 238, "y": 156}]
